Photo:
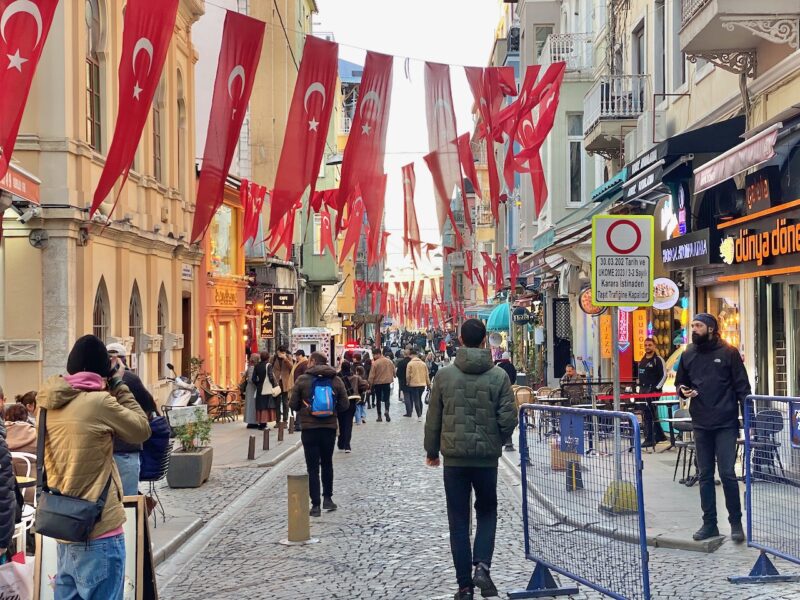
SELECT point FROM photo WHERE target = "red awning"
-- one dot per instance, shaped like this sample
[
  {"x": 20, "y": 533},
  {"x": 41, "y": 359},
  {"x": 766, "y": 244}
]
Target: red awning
[{"x": 21, "y": 184}]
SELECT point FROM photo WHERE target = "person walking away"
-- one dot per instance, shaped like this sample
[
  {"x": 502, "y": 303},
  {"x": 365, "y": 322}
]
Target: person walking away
[
  {"x": 401, "y": 367},
  {"x": 471, "y": 412},
  {"x": 573, "y": 385},
  {"x": 127, "y": 455},
  {"x": 380, "y": 379},
  {"x": 28, "y": 400},
  {"x": 282, "y": 371},
  {"x": 361, "y": 405},
  {"x": 417, "y": 381},
  {"x": 370, "y": 396},
  {"x": 251, "y": 393},
  {"x": 264, "y": 380},
  {"x": 507, "y": 366},
  {"x": 299, "y": 368},
  {"x": 712, "y": 376},
  {"x": 355, "y": 386},
  {"x": 318, "y": 396},
  {"x": 433, "y": 366},
  {"x": 651, "y": 375},
  {"x": 80, "y": 414}
]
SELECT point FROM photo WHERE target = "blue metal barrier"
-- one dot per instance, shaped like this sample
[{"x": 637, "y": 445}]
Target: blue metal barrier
[
  {"x": 583, "y": 514},
  {"x": 772, "y": 480}
]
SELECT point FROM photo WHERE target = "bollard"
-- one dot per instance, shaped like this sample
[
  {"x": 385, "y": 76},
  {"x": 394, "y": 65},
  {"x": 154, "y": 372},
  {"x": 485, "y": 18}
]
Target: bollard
[
  {"x": 280, "y": 431},
  {"x": 298, "y": 506},
  {"x": 266, "y": 440},
  {"x": 291, "y": 425},
  {"x": 251, "y": 448}
]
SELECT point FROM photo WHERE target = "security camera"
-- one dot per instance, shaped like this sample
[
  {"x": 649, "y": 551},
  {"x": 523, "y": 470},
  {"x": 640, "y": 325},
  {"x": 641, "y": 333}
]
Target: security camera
[{"x": 33, "y": 211}]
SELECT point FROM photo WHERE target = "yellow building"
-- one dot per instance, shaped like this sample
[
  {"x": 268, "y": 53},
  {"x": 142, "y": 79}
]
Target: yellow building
[{"x": 133, "y": 279}]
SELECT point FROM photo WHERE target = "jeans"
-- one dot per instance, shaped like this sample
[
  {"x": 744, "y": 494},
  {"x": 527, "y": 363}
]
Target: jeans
[
  {"x": 414, "y": 400},
  {"x": 93, "y": 571},
  {"x": 382, "y": 395},
  {"x": 128, "y": 467},
  {"x": 318, "y": 449},
  {"x": 282, "y": 408},
  {"x": 346, "y": 427},
  {"x": 361, "y": 413},
  {"x": 719, "y": 444},
  {"x": 458, "y": 485}
]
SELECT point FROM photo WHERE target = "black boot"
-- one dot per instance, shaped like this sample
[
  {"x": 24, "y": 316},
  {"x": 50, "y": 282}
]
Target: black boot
[
  {"x": 483, "y": 581},
  {"x": 315, "y": 511},
  {"x": 465, "y": 594},
  {"x": 708, "y": 530},
  {"x": 737, "y": 532}
]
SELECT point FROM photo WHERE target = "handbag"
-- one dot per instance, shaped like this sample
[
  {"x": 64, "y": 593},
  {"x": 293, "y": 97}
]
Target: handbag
[
  {"x": 60, "y": 516},
  {"x": 16, "y": 578}
]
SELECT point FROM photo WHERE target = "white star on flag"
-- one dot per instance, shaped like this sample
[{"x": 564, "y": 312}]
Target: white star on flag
[
  {"x": 365, "y": 128},
  {"x": 16, "y": 61},
  {"x": 136, "y": 90},
  {"x": 312, "y": 125}
]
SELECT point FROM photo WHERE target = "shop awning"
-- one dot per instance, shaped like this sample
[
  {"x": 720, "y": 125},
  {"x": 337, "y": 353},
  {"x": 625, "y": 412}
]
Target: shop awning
[
  {"x": 499, "y": 319},
  {"x": 611, "y": 188}
]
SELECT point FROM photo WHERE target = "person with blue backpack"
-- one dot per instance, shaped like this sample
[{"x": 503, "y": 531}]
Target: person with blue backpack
[{"x": 317, "y": 397}]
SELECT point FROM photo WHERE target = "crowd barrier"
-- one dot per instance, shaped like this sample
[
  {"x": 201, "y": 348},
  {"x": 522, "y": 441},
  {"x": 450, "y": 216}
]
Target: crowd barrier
[
  {"x": 772, "y": 484},
  {"x": 583, "y": 512}
]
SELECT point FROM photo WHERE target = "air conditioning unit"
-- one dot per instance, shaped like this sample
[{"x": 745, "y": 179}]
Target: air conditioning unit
[
  {"x": 631, "y": 145},
  {"x": 652, "y": 129},
  {"x": 125, "y": 341},
  {"x": 151, "y": 343},
  {"x": 173, "y": 341}
]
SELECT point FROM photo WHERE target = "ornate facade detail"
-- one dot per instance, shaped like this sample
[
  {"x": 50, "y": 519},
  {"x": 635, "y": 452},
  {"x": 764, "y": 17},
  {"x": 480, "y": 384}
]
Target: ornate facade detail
[
  {"x": 735, "y": 61},
  {"x": 776, "y": 29}
]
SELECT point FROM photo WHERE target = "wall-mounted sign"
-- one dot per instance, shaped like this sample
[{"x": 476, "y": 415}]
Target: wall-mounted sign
[
  {"x": 267, "y": 325},
  {"x": 268, "y": 302},
  {"x": 20, "y": 185},
  {"x": 762, "y": 245},
  {"x": 585, "y": 302},
  {"x": 187, "y": 274},
  {"x": 521, "y": 316},
  {"x": 605, "y": 336},
  {"x": 639, "y": 332},
  {"x": 695, "y": 249},
  {"x": 624, "y": 330},
  {"x": 225, "y": 296},
  {"x": 283, "y": 302},
  {"x": 665, "y": 293},
  {"x": 683, "y": 205}
]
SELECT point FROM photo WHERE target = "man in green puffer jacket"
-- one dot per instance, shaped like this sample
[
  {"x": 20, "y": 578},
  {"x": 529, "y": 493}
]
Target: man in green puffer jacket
[{"x": 471, "y": 414}]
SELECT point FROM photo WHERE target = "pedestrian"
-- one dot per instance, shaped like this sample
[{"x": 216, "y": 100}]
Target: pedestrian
[
  {"x": 10, "y": 497},
  {"x": 318, "y": 387},
  {"x": 28, "y": 400},
  {"x": 282, "y": 371},
  {"x": 355, "y": 386},
  {"x": 21, "y": 437},
  {"x": 251, "y": 392},
  {"x": 80, "y": 414},
  {"x": 299, "y": 368},
  {"x": 507, "y": 366},
  {"x": 417, "y": 381},
  {"x": 361, "y": 405},
  {"x": 471, "y": 412},
  {"x": 433, "y": 366},
  {"x": 401, "y": 367},
  {"x": 370, "y": 396},
  {"x": 711, "y": 373},
  {"x": 126, "y": 454},
  {"x": 652, "y": 374},
  {"x": 264, "y": 380},
  {"x": 380, "y": 379}
]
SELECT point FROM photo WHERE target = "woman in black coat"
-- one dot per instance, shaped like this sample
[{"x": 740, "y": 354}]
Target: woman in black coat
[
  {"x": 264, "y": 381},
  {"x": 10, "y": 498}
]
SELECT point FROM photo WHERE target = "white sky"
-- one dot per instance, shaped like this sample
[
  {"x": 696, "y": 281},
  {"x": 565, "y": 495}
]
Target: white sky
[{"x": 455, "y": 32}]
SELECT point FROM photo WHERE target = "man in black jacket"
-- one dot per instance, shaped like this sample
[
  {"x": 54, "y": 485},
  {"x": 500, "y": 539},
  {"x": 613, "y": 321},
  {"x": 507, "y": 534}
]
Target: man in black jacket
[
  {"x": 711, "y": 374},
  {"x": 651, "y": 376}
]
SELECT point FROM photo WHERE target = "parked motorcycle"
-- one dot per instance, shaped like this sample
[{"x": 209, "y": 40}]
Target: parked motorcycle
[{"x": 184, "y": 392}]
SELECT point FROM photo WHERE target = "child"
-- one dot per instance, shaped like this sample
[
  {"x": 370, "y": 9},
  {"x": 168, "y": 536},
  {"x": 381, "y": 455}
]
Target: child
[{"x": 361, "y": 409}]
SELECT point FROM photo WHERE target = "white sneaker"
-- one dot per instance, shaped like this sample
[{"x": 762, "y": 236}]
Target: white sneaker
[
  {"x": 347, "y": 451},
  {"x": 419, "y": 419}
]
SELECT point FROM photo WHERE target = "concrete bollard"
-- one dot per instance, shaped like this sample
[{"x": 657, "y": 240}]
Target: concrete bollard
[
  {"x": 280, "y": 431},
  {"x": 298, "y": 504},
  {"x": 291, "y": 425},
  {"x": 266, "y": 440},
  {"x": 251, "y": 448}
]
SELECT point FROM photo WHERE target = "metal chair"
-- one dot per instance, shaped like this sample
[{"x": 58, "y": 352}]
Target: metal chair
[
  {"x": 153, "y": 491},
  {"x": 28, "y": 508},
  {"x": 685, "y": 446}
]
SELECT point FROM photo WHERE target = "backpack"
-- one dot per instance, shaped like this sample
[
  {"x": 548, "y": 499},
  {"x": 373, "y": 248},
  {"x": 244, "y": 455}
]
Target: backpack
[
  {"x": 156, "y": 451},
  {"x": 323, "y": 402}
]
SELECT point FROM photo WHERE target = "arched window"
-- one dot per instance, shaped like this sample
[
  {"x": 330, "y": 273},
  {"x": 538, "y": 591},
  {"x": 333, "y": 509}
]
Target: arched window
[
  {"x": 101, "y": 315},
  {"x": 158, "y": 129},
  {"x": 94, "y": 49},
  {"x": 162, "y": 325},
  {"x": 135, "y": 326},
  {"x": 181, "y": 136}
]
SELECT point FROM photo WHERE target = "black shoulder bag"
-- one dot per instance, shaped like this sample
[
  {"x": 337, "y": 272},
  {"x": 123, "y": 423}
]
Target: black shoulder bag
[{"x": 57, "y": 515}]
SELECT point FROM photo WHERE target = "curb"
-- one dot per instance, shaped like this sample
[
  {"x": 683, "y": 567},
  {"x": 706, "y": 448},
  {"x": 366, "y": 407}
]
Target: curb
[
  {"x": 658, "y": 540},
  {"x": 172, "y": 546},
  {"x": 282, "y": 456}
]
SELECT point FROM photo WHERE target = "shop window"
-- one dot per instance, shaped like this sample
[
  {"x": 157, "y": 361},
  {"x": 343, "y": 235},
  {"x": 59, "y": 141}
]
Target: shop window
[
  {"x": 722, "y": 301},
  {"x": 158, "y": 128},
  {"x": 161, "y": 329},
  {"x": 222, "y": 252},
  {"x": 94, "y": 98},
  {"x": 101, "y": 315},
  {"x": 135, "y": 323},
  {"x": 540, "y": 35}
]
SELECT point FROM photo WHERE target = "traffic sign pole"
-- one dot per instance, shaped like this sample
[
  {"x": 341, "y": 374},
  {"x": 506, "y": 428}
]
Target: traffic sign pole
[{"x": 616, "y": 383}]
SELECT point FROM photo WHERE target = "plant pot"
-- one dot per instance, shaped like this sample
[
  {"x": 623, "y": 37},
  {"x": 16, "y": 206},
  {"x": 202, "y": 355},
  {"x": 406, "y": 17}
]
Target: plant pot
[{"x": 190, "y": 469}]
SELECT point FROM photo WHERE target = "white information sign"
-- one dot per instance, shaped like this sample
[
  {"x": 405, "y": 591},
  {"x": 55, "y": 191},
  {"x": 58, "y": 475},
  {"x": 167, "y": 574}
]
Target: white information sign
[{"x": 622, "y": 260}]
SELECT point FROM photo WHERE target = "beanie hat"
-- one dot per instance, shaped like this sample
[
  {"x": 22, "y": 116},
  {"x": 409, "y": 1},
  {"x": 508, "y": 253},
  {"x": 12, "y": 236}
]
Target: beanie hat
[
  {"x": 89, "y": 354},
  {"x": 708, "y": 320}
]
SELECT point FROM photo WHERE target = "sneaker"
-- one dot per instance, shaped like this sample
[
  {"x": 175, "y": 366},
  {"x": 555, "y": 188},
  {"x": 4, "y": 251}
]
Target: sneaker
[
  {"x": 388, "y": 418},
  {"x": 482, "y": 580},
  {"x": 315, "y": 511},
  {"x": 419, "y": 419},
  {"x": 465, "y": 594},
  {"x": 364, "y": 421},
  {"x": 737, "y": 532},
  {"x": 708, "y": 530},
  {"x": 348, "y": 451},
  {"x": 328, "y": 504}
]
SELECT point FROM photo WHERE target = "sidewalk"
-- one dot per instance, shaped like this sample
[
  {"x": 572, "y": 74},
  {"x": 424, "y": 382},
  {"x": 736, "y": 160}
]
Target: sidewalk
[
  {"x": 188, "y": 510},
  {"x": 672, "y": 510}
]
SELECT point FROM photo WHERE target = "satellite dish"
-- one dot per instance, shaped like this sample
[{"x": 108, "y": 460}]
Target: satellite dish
[{"x": 495, "y": 340}]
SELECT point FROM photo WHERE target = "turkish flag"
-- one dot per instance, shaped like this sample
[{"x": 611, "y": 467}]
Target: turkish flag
[
  {"x": 354, "y": 227},
  {"x": 420, "y": 293},
  {"x": 499, "y": 278},
  {"x": 428, "y": 248},
  {"x": 384, "y": 298},
  {"x": 306, "y": 128},
  {"x": 384, "y": 241},
  {"x": 326, "y": 233},
  {"x": 146, "y": 34},
  {"x": 411, "y": 239},
  {"x": 511, "y": 116},
  {"x": 468, "y": 257},
  {"x": 375, "y": 219},
  {"x": 322, "y": 198},
  {"x": 487, "y": 260},
  {"x": 434, "y": 292},
  {"x": 513, "y": 269},
  {"x": 252, "y": 197},
  {"x": 443, "y": 210},
  {"x": 468, "y": 165},
  {"x": 24, "y": 27},
  {"x": 453, "y": 285},
  {"x": 239, "y": 54},
  {"x": 484, "y": 285},
  {"x": 362, "y": 164}
]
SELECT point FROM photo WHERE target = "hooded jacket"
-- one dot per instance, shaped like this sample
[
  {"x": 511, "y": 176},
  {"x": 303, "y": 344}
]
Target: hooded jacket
[
  {"x": 78, "y": 451},
  {"x": 717, "y": 372},
  {"x": 8, "y": 495},
  {"x": 301, "y": 398},
  {"x": 471, "y": 411}
]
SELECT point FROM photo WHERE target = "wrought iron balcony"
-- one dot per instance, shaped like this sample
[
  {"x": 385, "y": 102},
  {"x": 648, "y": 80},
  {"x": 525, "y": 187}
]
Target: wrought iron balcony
[
  {"x": 575, "y": 49},
  {"x": 689, "y": 8},
  {"x": 345, "y": 124},
  {"x": 615, "y": 97}
]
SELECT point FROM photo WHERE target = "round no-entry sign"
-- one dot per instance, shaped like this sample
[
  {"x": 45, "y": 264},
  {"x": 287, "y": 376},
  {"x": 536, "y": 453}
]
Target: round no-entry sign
[
  {"x": 624, "y": 236},
  {"x": 622, "y": 260}
]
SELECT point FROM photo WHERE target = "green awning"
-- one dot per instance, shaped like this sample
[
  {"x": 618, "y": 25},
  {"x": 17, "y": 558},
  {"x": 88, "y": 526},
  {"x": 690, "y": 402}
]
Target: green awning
[
  {"x": 584, "y": 214},
  {"x": 500, "y": 318},
  {"x": 610, "y": 187}
]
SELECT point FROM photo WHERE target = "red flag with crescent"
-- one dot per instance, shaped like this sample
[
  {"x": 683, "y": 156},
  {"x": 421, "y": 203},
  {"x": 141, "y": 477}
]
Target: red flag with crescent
[
  {"x": 354, "y": 227},
  {"x": 239, "y": 54},
  {"x": 499, "y": 277},
  {"x": 362, "y": 163},
  {"x": 484, "y": 285},
  {"x": 513, "y": 270},
  {"x": 375, "y": 219},
  {"x": 468, "y": 164},
  {"x": 411, "y": 238},
  {"x": 24, "y": 26},
  {"x": 252, "y": 197},
  {"x": 468, "y": 257},
  {"x": 384, "y": 241},
  {"x": 146, "y": 34},
  {"x": 326, "y": 233},
  {"x": 418, "y": 301},
  {"x": 306, "y": 129}
]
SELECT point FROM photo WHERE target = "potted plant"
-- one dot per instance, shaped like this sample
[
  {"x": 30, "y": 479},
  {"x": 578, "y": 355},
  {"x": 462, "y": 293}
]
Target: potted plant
[{"x": 190, "y": 466}]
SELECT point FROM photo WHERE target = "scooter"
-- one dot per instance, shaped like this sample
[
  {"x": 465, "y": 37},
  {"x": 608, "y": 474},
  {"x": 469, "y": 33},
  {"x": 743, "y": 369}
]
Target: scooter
[{"x": 184, "y": 392}]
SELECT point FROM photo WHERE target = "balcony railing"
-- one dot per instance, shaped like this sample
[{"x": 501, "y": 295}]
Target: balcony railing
[
  {"x": 575, "y": 49},
  {"x": 615, "y": 97},
  {"x": 345, "y": 124},
  {"x": 689, "y": 8}
]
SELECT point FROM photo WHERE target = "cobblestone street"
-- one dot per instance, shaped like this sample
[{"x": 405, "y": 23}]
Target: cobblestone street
[{"x": 389, "y": 538}]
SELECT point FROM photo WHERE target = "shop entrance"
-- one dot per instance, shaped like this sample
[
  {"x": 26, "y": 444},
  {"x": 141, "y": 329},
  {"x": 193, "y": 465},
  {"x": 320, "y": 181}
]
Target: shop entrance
[
  {"x": 771, "y": 341},
  {"x": 562, "y": 338}
]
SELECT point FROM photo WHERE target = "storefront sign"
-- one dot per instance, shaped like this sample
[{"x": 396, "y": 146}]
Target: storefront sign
[
  {"x": 648, "y": 181},
  {"x": 585, "y": 302},
  {"x": 665, "y": 293},
  {"x": 267, "y": 325},
  {"x": 225, "y": 296},
  {"x": 641, "y": 163},
  {"x": 764, "y": 246},
  {"x": 695, "y": 249},
  {"x": 186, "y": 272},
  {"x": 624, "y": 330},
  {"x": 521, "y": 316},
  {"x": 762, "y": 189},
  {"x": 544, "y": 240},
  {"x": 622, "y": 260},
  {"x": 20, "y": 185},
  {"x": 268, "y": 302},
  {"x": 639, "y": 332},
  {"x": 683, "y": 206},
  {"x": 605, "y": 335},
  {"x": 283, "y": 302}
]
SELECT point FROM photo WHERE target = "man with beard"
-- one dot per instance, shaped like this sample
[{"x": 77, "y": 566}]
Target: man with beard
[{"x": 711, "y": 374}]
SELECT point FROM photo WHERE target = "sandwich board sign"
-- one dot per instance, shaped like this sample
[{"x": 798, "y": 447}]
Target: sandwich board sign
[{"x": 622, "y": 260}]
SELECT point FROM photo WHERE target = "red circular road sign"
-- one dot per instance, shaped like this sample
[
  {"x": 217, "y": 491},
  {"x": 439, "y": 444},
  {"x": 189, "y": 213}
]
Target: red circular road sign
[{"x": 637, "y": 232}]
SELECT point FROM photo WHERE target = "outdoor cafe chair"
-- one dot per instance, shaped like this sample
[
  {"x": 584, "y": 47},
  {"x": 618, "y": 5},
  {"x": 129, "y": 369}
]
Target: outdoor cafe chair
[
  {"x": 764, "y": 445},
  {"x": 685, "y": 445}
]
